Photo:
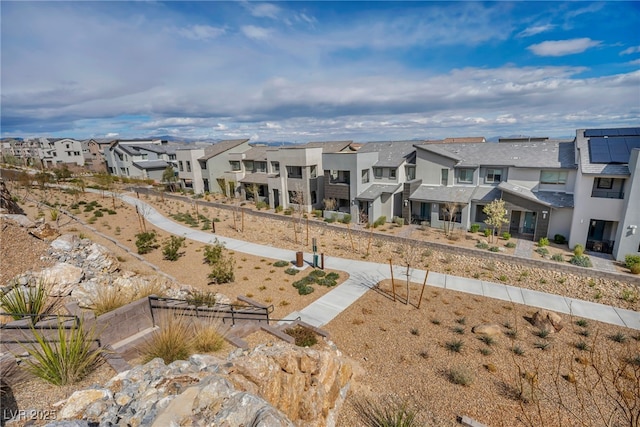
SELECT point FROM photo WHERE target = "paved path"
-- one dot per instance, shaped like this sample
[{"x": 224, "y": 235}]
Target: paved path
[
  {"x": 364, "y": 275},
  {"x": 524, "y": 248},
  {"x": 602, "y": 262}
]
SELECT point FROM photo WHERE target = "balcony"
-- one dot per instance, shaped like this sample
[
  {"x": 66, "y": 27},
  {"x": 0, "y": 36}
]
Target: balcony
[
  {"x": 607, "y": 194},
  {"x": 608, "y": 188}
]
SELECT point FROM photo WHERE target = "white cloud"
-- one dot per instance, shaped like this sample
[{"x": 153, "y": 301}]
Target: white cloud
[
  {"x": 254, "y": 32},
  {"x": 112, "y": 134},
  {"x": 563, "y": 47},
  {"x": 634, "y": 62},
  {"x": 220, "y": 127},
  {"x": 532, "y": 31},
  {"x": 201, "y": 32},
  {"x": 264, "y": 10},
  {"x": 630, "y": 50}
]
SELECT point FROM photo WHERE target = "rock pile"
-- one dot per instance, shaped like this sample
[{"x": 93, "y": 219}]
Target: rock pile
[{"x": 270, "y": 386}]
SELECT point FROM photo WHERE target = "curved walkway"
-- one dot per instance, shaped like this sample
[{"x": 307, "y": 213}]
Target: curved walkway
[{"x": 364, "y": 275}]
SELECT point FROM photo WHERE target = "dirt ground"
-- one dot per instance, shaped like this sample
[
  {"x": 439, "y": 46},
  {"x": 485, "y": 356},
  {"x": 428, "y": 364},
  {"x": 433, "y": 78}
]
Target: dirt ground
[{"x": 400, "y": 350}]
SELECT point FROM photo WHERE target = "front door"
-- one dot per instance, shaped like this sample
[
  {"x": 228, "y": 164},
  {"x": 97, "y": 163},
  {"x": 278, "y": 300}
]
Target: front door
[
  {"x": 529, "y": 224},
  {"x": 514, "y": 225},
  {"x": 596, "y": 230},
  {"x": 276, "y": 198},
  {"x": 425, "y": 211}
]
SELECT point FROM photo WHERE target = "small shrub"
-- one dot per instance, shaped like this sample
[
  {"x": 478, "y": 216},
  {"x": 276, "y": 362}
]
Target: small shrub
[
  {"x": 288, "y": 211},
  {"x": 208, "y": 335},
  {"x": 461, "y": 320},
  {"x": 415, "y": 331},
  {"x": 557, "y": 257},
  {"x": 512, "y": 334},
  {"x": 458, "y": 330},
  {"x": 171, "y": 342},
  {"x": 542, "y": 333},
  {"x": 631, "y": 260},
  {"x": 487, "y": 232},
  {"x": 201, "y": 298},
  {"x": 98, "y": 214},
  {"x": 582, "y": 323},
  {"x": 618, "y": 337},
  {"x": 503, "y": 278},
  {"x": 461, "y": 376},
  {"x": 222, "y": 271},
  {"x": 346, "y": 219},
  {"x": 146, "y": 242},
  {"x": 291, "y": 271},
  {"x": 543, "y": 242},
  {"x": 485, "y": 351},
  {"x": 488, "y": 340},
  {"x": 380, "y": 221},
  {"x": 635, "y": 269},
  {"x": 33, "y": 300},
  {"x": 454, "y": 346},
  {"x": 581, "y": 261},
  {"x": 584, "y": 333},
  {"x": 399, "y": 221},
  {"x": 304, "y": 337},
  {"x": 387, "y": 412},
  {"x": 510, "y": 245},
  {"x": 278, "y": 208},
  {"x": 108, "y": 298},
  {"x": 629, "y": 295},
  {"x": 506, "y": 235},
  {"x": 541, "y": 345},
  {"x": 66, "y": 361},
  {"x": 435, "y": 321},
  {"x": 494, "y": 249},
  {"x": 517, "y": 350},
  {"x": 171, "y": 248},
  {"x": 474, "y": 228},
  {"x": 281, "y": 263},
  {"x": 559, "y": 239},
  {"x": 578, "y": 250},
  {"x": 542, "y": 251},
  {"x": 582, "y": 346}
]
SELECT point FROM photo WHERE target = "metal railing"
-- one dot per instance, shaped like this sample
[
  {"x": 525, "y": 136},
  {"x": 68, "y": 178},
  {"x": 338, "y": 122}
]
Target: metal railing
[
  {"x": 225, "y": 312},
  {"x": 602, "y": 194}
]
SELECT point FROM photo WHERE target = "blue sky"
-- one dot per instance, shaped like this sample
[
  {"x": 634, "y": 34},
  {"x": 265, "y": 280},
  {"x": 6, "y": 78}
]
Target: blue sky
[{"x": 303, "y": 71}]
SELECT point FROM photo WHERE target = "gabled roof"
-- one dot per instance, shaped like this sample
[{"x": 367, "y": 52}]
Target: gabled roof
[
  {"x": 548, "y": 154},
  {"x": 220, "y": 147},
  {"x": 375, "y": 190},
  {"x": 328, "y": 146},
  {"x": 391, "y": 153},
  {"x": 546, "y": 198},
  {"x": 257, "y": 153}
]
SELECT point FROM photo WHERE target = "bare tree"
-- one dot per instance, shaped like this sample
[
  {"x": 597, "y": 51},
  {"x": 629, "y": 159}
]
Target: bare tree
[
  {"x": 297, "y": 200},
  {"x": 410, "y": 255},
  {"x": 329, "y": 204},
  {"x": 449, "y": 213}
]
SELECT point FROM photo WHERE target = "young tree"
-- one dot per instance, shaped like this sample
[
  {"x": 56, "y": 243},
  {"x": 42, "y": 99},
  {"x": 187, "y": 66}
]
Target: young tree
[
  {"x": 297, "y": 199},
  {"x": 410, "y": 255},
  {"x": 496, "y": 215},
  {"x": 169, "y": 178},
  {"x": 449, "y": 212}
]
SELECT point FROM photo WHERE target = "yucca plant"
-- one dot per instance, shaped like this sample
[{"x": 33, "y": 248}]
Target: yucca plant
[
  {"x": 33, "y": 301},
  {"x": 66, "y": 361}
]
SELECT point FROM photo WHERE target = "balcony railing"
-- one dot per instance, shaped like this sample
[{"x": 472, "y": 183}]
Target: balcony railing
[{"x": 604, "y": 194}]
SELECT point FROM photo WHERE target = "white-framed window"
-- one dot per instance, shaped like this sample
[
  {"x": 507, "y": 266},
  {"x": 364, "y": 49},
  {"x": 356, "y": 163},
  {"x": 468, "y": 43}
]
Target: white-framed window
[
  {"x": 294, "y": 172},
  {"x": 248, "y": 165},
  {"x": 188, "y": 166},
  {"x": 377, "y": 173},
  {"x": 494, "y": 175},
  {"x": 261, "y": 167},
  {"x": 411, "y": 172},
  {"x": 275, "y": 166},
  {"x": 444, "y": 177},
  {"x": 392, "y": 173},
  {"x": 365, "y": 176},
  {"x": 180, "y": 166},
  {"x": 235, "y": 165},
  {"x": 553, "y": 177},
  {"x": 465, "y": 176}
]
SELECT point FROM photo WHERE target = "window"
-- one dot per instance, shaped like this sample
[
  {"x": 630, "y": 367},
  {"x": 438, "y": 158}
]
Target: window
[
  {"x": 188, "y": 166},
  {"x": 365, "y": 176},
  {"x": 294, "y": 172},
  {"x": 392, "y": 173},
  {"x": 465, "y": 176},
  {"x": 235, "y": 165},
  {"x": 314, "y": 171},
  {"x": 275, "y": 166},
  {"x": 54, "y": 154},
  {"x": 553, "y": 177},
  {"x": 144, "y": 156},
  {"x": 411, "y": 172},
  {"x": 180, "y": 166},
  {"x": 494, "y": 175},
  {"x": 76, "y": 153},
  {"x": 172, "y": 156},
  {"x": 377, "y": 173},
  {"x": 450, "y": 212},
  {"x": 444, "y": 177},
  {"x": 605, "y": 183},
  {"x": 203, "y": 165},
  {"x": 339, "y": 177},
  {"x": 261, "y": 167},
  {"x": 67, "y": 146},
  {"x": 248, "y": 165}
]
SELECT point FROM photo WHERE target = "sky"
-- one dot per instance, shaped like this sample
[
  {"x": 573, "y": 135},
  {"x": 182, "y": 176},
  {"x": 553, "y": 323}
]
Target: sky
[{"x": 317, "y": 71}]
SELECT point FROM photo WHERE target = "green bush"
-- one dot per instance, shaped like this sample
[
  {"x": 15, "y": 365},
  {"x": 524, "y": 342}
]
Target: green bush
[
  {"x": 494, "y": 249},
  {"x": 288, "y": 211},
  {"x": 543, "y": 242},
  {"x": 278, "y": 208},
  {"x": 474, "y": 228},
  {"x": 578, "y": 250},
  {"x": 317, "y": 213},
  {"x": 482, "y": 245},
  {"x": 461, "y": 376},
  {"x": 386, "y": 412},
  {"x": 487, "y": 232},
  {"x": 171, "y": 248},
  {"x": 631, "y": 260},
  {"x": 557, "y": 257},
  {"x": 635, "y": 269},
  {"x": 281, "y": 263},
  {"x": 33, "y": 300},
  {"x": 398, "y": 221},
  {"x": 346, "y": 219},
  {"x": 542, "y": 251},
  {"x": 291, "y": 271},
  {"x": 222, "y": 271},
  {"x": 380, "y": 221},
  {"x": 506, "y": 235},
  {"x": 201, "y": 298},
  {"x": 330, "y": 220},
  {"x": 213, "y": 253},
  {"x": 261, "y": 205},
  {"x": 581, "y": 261},
  {"x": 510, "y": 245},
  {"x": 98, "y": 214},
  {"x": 67, "y": 361},
  {"x": 559, "y": 239},
  {"x": 146, "y": 242}
]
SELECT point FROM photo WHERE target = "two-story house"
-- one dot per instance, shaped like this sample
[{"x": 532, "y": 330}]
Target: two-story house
[
  {"x": 455, "y": 181},
  {"x": 141, "y": 159},
  {"x": 606, "y": 216}
]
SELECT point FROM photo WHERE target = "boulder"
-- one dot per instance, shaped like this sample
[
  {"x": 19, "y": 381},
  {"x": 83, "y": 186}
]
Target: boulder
[
  {"x": 62, "y": 277},
  {"x": 490, "y": 329},
  {"x": 44, "y": 232},
  {"x": 65, "y": 243},
  {"x": 21, "y": 220},
  {"x": 81, "y": 401},
  {"x": 547, "y": 320}
]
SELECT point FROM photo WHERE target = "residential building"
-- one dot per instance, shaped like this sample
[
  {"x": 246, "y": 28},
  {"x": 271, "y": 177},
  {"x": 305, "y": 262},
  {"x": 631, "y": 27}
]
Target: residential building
[
  {"x": 141, "y": 159},
  {"x": 455, "y": 181},
  {"x": 93, "y": 150},
  {"x": 606, "y": 216},
  {"x": 221, "y": 166}
]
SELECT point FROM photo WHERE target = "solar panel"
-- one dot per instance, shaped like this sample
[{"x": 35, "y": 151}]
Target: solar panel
[
  {"x": 599, "y": 150},
  {"x": 618, "y": 150},
  {"x": 615, "y": 149},
  {"x": 635, "y": 131}
]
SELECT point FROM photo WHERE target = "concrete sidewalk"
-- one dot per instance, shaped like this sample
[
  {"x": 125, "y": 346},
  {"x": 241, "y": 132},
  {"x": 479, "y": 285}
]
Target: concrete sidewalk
[{"x": 364, "y": 275}]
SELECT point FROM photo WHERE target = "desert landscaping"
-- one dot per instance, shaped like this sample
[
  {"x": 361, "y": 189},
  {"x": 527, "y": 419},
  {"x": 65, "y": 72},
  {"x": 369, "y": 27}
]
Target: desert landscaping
[{"x": 512, "y": 373}]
